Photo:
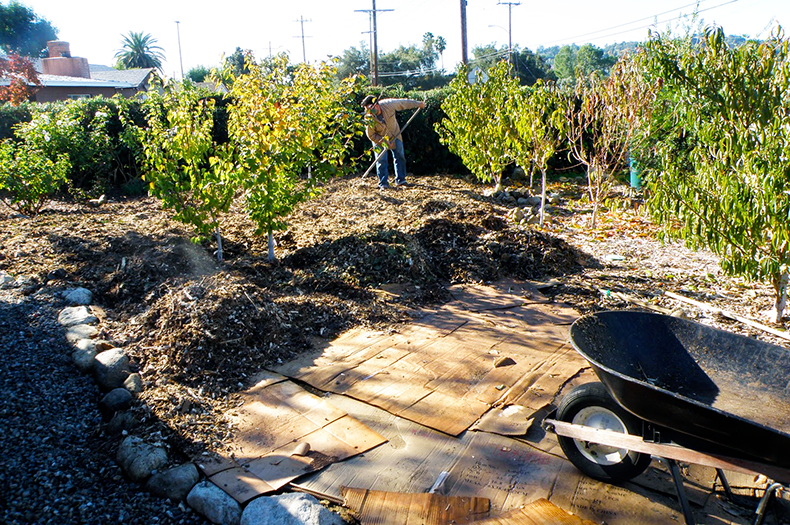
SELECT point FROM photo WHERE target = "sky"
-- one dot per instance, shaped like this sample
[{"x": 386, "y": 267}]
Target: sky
[{"x": 207, "y": 31}]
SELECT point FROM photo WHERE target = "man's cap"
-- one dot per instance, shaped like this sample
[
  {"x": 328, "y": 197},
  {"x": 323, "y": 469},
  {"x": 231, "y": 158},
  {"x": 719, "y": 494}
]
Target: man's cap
[{"x": 370, "y": 99}]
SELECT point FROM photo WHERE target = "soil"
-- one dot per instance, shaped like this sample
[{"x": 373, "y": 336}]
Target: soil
[{"x": 198, "y": 330}]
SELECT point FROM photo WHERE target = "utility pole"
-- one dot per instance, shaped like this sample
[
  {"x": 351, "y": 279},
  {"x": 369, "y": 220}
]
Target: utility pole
[
  {"x": 510, "y": 30},
  {"x": 464, "y": 55},
  {"x": 374, "y": 63},
  {"x": 302, "y": 21},
  {"x": 178, "y": 33}
]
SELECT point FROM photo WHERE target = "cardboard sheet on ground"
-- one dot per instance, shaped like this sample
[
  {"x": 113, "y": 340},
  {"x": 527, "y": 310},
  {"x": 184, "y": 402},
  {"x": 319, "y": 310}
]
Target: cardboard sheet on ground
[
  {"x": 490, "y": 346},
  {"x": 283, "y": 432},
  {"x": 539, "y": 512},
  {"x": 396, "y": 508},
  {"x": 509, "y": 472}
]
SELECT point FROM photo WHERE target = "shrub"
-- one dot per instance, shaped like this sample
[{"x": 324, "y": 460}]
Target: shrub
[
  {"x": 28, "y": 177},
  {"x": 11, "y": 116},
  {"x": 101, "y": 149}
]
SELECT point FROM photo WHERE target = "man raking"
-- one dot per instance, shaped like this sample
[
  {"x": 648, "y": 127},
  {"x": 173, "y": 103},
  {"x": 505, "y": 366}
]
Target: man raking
[{"x": 383, "y": 130}]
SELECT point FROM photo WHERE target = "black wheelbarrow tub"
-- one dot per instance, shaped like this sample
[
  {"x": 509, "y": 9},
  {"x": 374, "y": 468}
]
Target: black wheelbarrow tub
[{"x": 722, "y": 392}]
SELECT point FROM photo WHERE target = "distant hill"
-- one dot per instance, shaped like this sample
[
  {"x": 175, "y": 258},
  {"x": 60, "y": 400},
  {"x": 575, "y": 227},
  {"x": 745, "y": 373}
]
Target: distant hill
[{"x": 619, "y": 49}]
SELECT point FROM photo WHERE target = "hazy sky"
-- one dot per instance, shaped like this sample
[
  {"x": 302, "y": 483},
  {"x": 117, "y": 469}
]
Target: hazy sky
[{"x": 210, "y": 29}]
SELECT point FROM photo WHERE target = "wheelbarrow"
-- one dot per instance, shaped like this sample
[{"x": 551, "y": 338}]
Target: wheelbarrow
[{"x": 677, "y": 390}]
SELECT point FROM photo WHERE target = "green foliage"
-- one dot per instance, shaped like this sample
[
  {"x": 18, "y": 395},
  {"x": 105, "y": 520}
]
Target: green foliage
[
  {"x": 285, "y": 121},
  {"x": 572, "y": 63},
  {"x": 527, "y": 66},
  {"x": 731, "y": 189},
  {"x": 185, "y": 167},
  {"x": 139, "y": 50},
  {"x": 412, "y": 67},
  {"x": 100, "y": 148},
  {"x": 11, "y": 116},
  {"x": 24, "y": 32},
  {"x": 539, "y": 118},
  {"x": 354, "y": 62},
  {"x": 198, "y": 74},
  {"x": 28, "y": 177},
  {"x": 233, "y": 66},
  {"x": 478, "y": 126}
]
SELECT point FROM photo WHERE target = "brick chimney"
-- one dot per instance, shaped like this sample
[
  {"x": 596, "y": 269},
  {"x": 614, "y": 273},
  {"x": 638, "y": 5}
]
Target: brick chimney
[{"x": 61, "y": 63}]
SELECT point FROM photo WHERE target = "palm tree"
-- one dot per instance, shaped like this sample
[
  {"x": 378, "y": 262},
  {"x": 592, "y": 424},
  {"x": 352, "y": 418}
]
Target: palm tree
[{"x": 139, "y": 50}]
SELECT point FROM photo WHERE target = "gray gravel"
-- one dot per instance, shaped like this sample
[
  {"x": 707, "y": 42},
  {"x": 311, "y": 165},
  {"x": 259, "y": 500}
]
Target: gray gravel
[{"x": 56, "y": 463}]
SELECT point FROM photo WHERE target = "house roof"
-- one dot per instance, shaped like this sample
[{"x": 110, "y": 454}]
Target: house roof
[
  {"x": 61, "y": 81},
  {"x": 136, "y": 77}
]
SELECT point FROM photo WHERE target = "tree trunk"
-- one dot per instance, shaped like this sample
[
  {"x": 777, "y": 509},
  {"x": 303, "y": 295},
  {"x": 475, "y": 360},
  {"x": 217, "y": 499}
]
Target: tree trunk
[
  {"x": 219, "y": 245},
  {"x": 781, "y": 284},
  {"x": 542, "y": 195},
  {"x": 271, "y": 245}
]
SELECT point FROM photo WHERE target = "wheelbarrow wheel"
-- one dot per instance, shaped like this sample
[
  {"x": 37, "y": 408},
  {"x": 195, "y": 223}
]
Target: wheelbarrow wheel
[{"x": 592, "y": 406}]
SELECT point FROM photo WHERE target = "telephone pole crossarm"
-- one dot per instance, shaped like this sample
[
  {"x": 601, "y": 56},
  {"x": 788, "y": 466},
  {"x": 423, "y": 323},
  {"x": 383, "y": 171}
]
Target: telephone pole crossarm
[{"x": 374, "y": 52}]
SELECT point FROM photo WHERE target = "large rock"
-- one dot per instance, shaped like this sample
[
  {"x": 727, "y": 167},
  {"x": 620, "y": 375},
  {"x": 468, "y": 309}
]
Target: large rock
[
  {"x": 114, "y": 401},
  {"x": 214, "y": 504},
  {"x": 174, "y": 483},
  {"x": 84, "y": 359},
  {"x": 120, "y": 422},
  {"x": 111, "y": 369},
  {"x": 139, "y": 459},
  {"x": 289, "y": 509},
  {"x": 74, "y": 315},
  {"x": 78, "y": 296},
  {"x": 81, "y": 331}
]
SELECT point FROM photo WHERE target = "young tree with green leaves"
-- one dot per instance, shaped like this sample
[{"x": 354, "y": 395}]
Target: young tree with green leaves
[
  {"x": 602, "y": 118},
  {"x": 293, "y": 129},
  {"x": 139, "y": 50},
  {"x": 478, "y": 126},
  {"x": 185, "y": 167},
  {"x": 727, "y": 186},
  {"x": 540, "y": 121}
]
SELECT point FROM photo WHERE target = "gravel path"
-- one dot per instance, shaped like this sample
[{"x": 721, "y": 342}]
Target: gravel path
[{"x": 56, "y": 463}]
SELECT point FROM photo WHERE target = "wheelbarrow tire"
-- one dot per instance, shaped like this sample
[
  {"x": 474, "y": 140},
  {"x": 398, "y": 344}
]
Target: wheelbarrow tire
[{"x": 590, "y": 404}]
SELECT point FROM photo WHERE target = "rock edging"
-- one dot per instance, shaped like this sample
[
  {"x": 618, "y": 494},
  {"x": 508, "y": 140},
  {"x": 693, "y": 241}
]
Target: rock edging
[{"x": 142, "y": 461}]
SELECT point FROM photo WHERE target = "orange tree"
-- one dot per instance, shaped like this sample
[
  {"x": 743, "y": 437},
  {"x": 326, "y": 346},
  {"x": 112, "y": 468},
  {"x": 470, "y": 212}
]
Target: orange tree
[
  {"x": 540, "y": 122},
  {"x": 292, "y": 127}
]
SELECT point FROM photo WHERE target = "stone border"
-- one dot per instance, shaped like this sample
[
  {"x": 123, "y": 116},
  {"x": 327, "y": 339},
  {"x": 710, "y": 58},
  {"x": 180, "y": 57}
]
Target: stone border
[{"x": 140, "y": 460}]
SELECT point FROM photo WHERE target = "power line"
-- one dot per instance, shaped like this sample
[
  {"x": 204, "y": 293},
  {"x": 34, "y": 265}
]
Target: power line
[
  {"x": 302, "y": 21},
  {"x": 374, "y": 52},
  {"x": 637, "y": 21}
]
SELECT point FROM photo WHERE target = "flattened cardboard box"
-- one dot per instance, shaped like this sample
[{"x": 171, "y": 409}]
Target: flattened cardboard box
[
  {"x": 480, "y": 351},
  {"x": 283, "y": 432},
  {"x": 509, "y": 472}
]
